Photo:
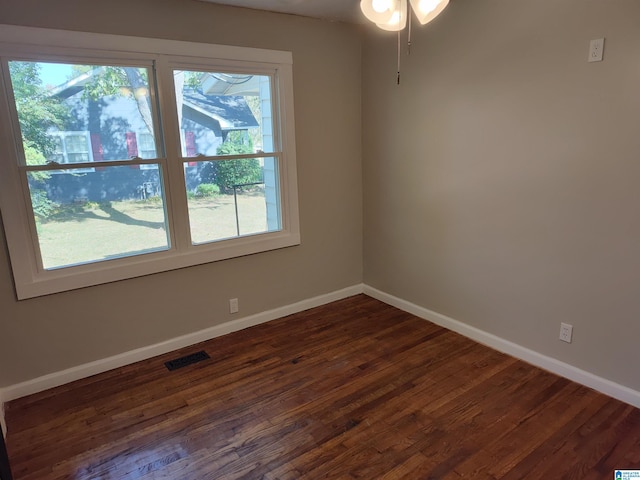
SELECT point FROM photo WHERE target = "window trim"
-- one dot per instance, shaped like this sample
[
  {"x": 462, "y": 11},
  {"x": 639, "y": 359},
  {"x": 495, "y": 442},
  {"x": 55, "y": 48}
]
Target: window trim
[
  {"x": 32, "y": 281},
  {"x": 63, "y": 134},
  {"x": 146, "y": 166}
]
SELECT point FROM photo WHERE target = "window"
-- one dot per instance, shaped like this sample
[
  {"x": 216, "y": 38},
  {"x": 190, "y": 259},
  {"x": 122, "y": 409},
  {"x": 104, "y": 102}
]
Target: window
[
  {"x": 71, "y": 147},
  {"x": 146, "y": 145},
  {"x": 134, "y": 162},
  {"x": 146, "y": 149}
]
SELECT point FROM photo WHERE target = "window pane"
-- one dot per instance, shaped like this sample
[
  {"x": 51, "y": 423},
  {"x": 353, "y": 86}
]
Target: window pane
[
  {"x": 223, "y": 114},
  {"x": 58, "y": 151},
  {"x": 110, "y": 213},
  {"x": 146, "y": 146},
  {"x": 231, "y": 198},
  {"x": 147, "y": 149},
  {"x": 77, "y": 157},
  {"x": 97, "y": 111},
  {"x": 76, "y": 143}
]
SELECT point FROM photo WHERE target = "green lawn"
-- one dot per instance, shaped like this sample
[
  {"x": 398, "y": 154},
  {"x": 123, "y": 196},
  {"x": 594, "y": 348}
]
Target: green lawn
[{"x": 80, "y": 234}]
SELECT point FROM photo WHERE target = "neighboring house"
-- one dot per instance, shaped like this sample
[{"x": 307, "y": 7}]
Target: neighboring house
[{"x": 113, "y": 128}]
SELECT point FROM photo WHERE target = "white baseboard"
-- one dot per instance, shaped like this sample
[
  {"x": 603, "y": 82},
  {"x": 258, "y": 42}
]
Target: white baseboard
[
  {"x": 550, "y": 364},
  {"x": 565, "y": 370},
  {"x": 56, "y": 379}
]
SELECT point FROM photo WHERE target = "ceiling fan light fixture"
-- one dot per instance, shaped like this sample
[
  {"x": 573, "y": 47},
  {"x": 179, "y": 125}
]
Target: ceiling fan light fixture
[
  {"x": 394, "y": 16},
  {"x": 378, "y": 11},
  {"x": 398, "y": 19},
  {"x": 381, "y": 6},
  {"x": 427, "y": 10}
]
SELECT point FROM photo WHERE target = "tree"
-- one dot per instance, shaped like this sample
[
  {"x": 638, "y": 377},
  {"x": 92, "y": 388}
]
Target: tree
[
  {"x": 38, "y": 111},
  {"x": 134, "y": 82},
  {"x": 128, "y": 81}
]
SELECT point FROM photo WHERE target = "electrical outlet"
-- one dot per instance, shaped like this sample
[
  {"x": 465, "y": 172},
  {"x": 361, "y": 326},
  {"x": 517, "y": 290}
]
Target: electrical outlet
[
  {"x": 596, "y": 50},
  {"x": 233, "y": 305},
  {"x": 566, "y": 332}
]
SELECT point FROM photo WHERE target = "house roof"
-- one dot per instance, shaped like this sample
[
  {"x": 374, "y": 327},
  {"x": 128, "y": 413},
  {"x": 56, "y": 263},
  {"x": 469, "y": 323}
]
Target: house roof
[
  {"x": 230, "y": 111},
  {"x": 230, "y": 84}
]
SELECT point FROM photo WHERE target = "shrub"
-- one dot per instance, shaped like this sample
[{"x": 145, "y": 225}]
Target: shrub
[
  {"x": 227, "y": 173},
  {"x": 42, "y": 206},
  {"x": 238, "y": 172},
  {"x": 207, "y": 190}
]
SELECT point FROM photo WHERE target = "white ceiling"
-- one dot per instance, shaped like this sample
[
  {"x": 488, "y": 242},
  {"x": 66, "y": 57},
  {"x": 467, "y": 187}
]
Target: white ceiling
[{"x": 343, "y": 10}]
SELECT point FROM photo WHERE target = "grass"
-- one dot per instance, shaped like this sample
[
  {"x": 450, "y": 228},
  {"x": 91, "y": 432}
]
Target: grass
[{"x": 77, "y": 234}]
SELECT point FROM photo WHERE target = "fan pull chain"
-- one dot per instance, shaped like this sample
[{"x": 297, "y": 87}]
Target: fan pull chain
[
  {"x": 398, "y": 79},
  {"x": 409, "y": 18}
]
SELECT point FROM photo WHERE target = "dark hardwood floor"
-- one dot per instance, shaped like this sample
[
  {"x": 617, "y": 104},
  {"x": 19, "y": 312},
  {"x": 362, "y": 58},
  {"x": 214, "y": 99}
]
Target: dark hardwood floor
[{"x": 354, "y": 389}]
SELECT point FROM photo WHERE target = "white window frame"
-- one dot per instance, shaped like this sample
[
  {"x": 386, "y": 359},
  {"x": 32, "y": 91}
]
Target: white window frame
[
  {"x": 65, "y": 153},
  {"x": 146, "y": 166},
  {"x": 31, "y": 280}
]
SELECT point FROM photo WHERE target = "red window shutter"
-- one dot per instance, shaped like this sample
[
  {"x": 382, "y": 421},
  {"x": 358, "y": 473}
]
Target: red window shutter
[
  {"x": 96, "y": 149},
  {"x": 132, "y": 146},
  {"x": 190, "y": 144}
]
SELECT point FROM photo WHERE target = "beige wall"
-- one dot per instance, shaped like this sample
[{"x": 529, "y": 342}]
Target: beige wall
[
  {"x": 48, "y": 334},
  {"x": 500, "y": 182},
  {"x": 502, "y": 177}
]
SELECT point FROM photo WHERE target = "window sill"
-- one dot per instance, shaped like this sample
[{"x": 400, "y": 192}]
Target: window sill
[{"x": 72, "y": 278}]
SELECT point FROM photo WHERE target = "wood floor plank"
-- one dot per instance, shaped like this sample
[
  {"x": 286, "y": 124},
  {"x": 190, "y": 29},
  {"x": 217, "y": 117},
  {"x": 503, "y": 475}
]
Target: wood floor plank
[{"x": 351, "y": 390}]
